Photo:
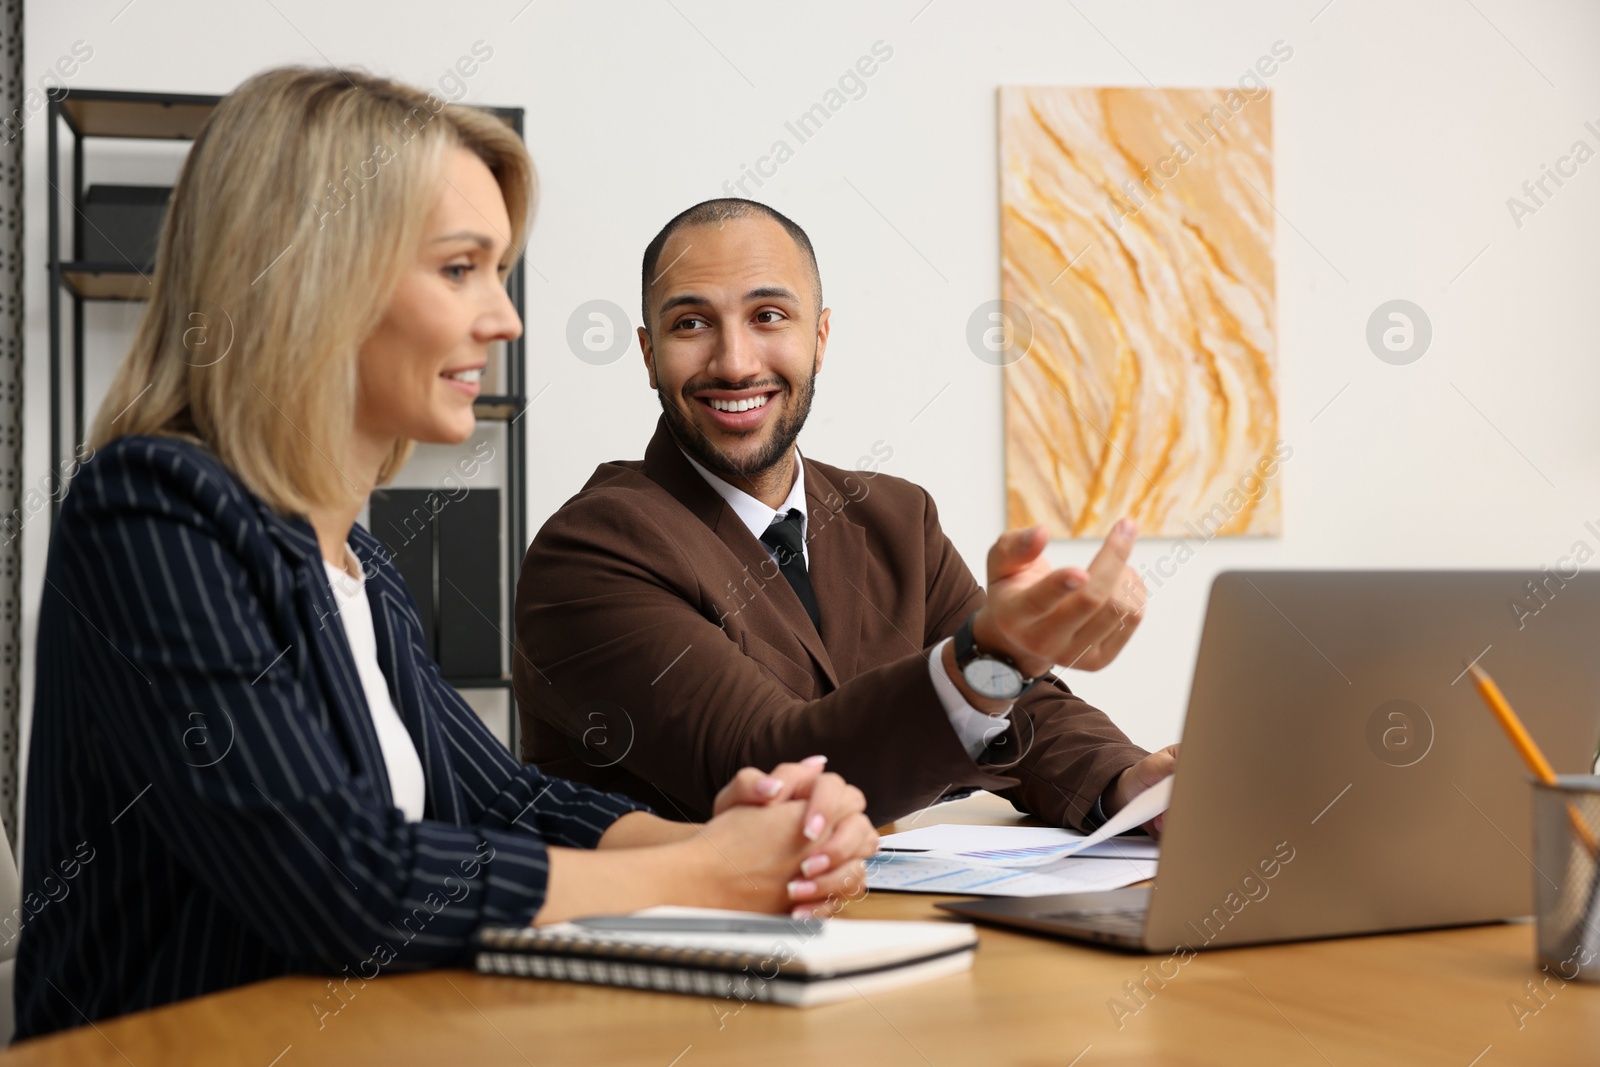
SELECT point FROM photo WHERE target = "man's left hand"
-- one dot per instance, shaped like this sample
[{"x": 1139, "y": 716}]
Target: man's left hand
[{"x": 1136, "y": 779}]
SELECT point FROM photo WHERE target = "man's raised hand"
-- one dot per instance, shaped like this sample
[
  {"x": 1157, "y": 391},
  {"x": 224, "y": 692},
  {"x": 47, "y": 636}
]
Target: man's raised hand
[{"x": 1041, "y": 616}]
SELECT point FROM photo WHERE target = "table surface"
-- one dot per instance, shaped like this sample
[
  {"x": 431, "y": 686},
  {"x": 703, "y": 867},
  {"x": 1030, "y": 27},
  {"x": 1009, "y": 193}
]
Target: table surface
[{"x": 1438, "y": 997}]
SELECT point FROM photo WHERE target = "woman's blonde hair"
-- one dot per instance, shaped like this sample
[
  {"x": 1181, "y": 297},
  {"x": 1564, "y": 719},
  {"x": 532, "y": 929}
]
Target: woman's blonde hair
[{"x": 296, "y": 212}]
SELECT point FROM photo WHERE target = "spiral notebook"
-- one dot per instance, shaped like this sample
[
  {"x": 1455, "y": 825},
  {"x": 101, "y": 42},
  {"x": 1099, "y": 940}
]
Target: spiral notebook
[{"x": 797, "y": 964}]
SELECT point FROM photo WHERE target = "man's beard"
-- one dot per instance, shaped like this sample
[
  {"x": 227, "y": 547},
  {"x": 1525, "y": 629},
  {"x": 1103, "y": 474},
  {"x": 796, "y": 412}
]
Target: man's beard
[{"x": 693, "y": 441}]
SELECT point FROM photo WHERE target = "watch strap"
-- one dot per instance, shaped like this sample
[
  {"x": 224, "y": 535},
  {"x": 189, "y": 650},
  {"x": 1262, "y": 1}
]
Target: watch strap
[{"x": 966, "y": 644}]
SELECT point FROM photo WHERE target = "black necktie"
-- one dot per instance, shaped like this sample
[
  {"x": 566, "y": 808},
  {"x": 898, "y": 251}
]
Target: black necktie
[{"x": 787, "y": 543}]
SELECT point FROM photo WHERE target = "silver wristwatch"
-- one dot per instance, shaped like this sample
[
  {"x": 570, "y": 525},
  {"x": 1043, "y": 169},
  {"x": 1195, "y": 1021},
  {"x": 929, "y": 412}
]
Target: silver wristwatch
[{"x": 988, "y": 673}]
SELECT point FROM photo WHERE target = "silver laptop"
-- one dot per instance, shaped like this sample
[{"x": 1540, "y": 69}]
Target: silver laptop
[{"x": 1339, "y": 772}]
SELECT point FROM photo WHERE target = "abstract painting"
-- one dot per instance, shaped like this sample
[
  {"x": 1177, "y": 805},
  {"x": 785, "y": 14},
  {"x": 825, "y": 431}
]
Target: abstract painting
[{"x": 1137, "y": 323}]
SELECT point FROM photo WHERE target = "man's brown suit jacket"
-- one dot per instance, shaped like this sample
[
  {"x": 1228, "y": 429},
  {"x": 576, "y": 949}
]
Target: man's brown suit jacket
[{"x": 658, "y": 651}]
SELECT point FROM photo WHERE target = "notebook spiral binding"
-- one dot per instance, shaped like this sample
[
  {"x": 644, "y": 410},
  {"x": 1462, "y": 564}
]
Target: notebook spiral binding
[
  {"x": 531, "y": 953},
  {"x": 666, "y": 979}
]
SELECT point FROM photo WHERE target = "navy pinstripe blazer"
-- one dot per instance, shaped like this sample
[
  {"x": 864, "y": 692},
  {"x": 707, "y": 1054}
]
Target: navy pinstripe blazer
[{"x": 207, "y": 803}]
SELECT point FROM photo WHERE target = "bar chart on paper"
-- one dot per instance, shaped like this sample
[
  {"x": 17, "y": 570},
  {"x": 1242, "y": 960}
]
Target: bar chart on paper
[{"x": 1021, "y": 861}]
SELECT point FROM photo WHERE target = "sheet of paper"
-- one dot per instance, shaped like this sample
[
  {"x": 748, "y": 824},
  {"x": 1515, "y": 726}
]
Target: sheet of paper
[
  {"x": 972, "y": 840},
  {"x": 923, "y": 873},
  {"x": 996, "y": 844},
  {"x": 1117, "y": 848},
  {"x": 1074, "y": 867}
]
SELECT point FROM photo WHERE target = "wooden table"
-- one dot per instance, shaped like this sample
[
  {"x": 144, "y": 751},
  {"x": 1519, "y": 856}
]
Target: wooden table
[{"x": 1441, "y": 997}]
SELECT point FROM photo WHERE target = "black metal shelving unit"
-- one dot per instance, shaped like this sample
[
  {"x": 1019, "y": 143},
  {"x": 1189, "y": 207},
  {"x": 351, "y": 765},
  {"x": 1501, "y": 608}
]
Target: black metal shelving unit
[{"x": 100, "y": 113}]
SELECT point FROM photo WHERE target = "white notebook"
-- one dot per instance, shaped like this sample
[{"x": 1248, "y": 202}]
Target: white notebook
[{"x": 796, "y": 964}]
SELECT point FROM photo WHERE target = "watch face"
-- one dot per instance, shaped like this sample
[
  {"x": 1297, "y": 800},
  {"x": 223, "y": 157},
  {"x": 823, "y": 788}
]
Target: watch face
[{"x": 993, "y": 679}]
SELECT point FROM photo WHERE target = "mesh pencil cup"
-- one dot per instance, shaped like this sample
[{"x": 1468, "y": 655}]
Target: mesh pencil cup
[{"x": 1566, "y": 824}]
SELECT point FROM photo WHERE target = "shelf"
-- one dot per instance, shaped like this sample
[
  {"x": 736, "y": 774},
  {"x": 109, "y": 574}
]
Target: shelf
[
  {"x": 498, "y": 408},
  {"x": 144, "y": 116},
  {"x": 107, "y": 281},
  {"x": 479, "y": 683},
  {"x": 162, "y": 116}
]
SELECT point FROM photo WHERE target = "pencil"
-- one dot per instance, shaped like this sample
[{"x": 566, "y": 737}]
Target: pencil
[{"x": 1526, "y": 748}]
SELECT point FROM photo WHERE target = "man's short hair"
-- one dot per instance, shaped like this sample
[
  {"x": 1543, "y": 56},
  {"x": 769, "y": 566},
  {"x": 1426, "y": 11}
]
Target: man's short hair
[{"x": 715, "y": 212}]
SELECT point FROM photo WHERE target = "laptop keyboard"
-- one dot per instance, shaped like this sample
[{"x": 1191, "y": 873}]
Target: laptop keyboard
[{"x": 1128, "y": 921}]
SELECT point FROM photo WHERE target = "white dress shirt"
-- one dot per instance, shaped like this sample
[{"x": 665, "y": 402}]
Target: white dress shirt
[
  {"x": 406, "y": 783},
  {"x": 974, "y": 728}
]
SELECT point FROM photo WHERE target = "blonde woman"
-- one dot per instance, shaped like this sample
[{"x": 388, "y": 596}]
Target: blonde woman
[{"x": 238, "y": 745}]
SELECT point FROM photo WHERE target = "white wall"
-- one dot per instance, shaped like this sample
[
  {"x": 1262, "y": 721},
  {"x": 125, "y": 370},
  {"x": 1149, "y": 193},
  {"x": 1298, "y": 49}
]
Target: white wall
[{"x": 1399, "y": 136}]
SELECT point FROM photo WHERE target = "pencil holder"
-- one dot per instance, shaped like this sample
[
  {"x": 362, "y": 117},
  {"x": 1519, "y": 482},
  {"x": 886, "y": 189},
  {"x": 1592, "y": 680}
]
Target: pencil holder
[{"x": 1566, "y": 877}]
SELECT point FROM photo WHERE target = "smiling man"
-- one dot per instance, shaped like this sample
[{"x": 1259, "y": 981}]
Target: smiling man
[{"x": 727, "y": 602}]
